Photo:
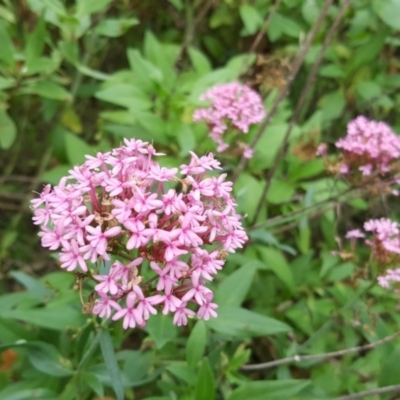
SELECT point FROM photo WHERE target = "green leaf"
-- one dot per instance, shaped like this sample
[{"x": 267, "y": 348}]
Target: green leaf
[
  {"x": 310, "y": 11},
  {"x": 56, "y": 318},
  {"x": 177, "y": 4},
  {"x": 199, "y": 61},
  {"x": 6, "y": 83},
  {"x": 7, "y": 48},
  {"x": 111, "y": 364},
  {"x": 87, "y": 7},
  {"x": 76, "y": 149},
  {"x": 16, "y": 392},
  {"x": 248, "y": 191},
  {"x": 8, "y": 130},
  {"x": 153, "y": 124},
  {"x": 48, "y": 89},
  {"x": 54, "y": 5},
  {"x": 242, "y": 323},
  {"x": 251, "y": 18},
  {"x": 388, "y": 11},
  {"x": 368, "y": 90},
  {"x": 276, "y": 262},
  {"x": 124, "y": 95},
  {"x": 271, "y": 390},
  {"x": 35, "y": 44},
  {"x": 147, "y": 75},
  {"x": 233, "y": 289},
  {"x": 332, "y": 105},
  {"x": 332, "y": 71},
  {"x": 161, "y": 329},
  {"x": 45, "y": 357},
  {"x": 111, "y": 27},
  {"x": 205, "y": 385},
  {"x": 280, "y": 191},
  {"x": 182, "y": 371},
  {"x": 196, "y": 344},
  {"x": 93, "y": 382},
  {"x": 35, "y": 287},
  {"x": 54, "y": 175}
]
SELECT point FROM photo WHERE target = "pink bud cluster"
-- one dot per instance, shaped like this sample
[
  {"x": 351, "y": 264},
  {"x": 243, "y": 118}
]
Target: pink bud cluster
[
  {"x": 175, "y": 232},
  {"x": 370, "y": 147},
  {"x": 233, "y": 106},
  {"x": 385, "y": 245}
]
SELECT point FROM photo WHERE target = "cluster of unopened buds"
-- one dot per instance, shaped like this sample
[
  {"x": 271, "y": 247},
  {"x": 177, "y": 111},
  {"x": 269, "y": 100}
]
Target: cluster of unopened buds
[
  {"x": 233, "y": 107},
  {"x": 384, "y": 241},
  {"x": 370, "y": 151},
  {"x": 162, "y": 236}
]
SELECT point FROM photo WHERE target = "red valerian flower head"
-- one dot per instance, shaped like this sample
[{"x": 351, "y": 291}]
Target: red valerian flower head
[{"x": 175, "y": 226}]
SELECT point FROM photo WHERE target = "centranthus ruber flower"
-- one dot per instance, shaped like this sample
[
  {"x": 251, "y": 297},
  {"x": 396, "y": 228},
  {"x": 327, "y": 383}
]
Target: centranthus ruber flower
[
  {"x": 233, "y": 107},
  {"x": 383, "y": 236},
  {"x": 368, "y": 153},
  {"x": 165, "y": 232}
]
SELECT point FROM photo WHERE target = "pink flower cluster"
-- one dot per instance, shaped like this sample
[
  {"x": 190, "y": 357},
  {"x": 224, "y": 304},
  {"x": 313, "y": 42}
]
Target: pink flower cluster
[
  {"x": 369, "y": 147},
  {"x": 233, "y": 106},
  {"x": 385, "y": 245},
  {"x": 174, "y": 232}
]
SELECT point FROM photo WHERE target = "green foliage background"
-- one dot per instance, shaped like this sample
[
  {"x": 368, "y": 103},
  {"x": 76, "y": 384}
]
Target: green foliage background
[{"x": 78, "y": 76}]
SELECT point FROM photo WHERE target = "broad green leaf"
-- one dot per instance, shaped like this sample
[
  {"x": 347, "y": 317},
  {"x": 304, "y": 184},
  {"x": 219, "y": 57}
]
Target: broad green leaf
[
  {"x": 76, "y": 149},
  {"x": 182, "y": 371},
  {"x": 35, "y": 287},
  {"x": 310, "y": 11},
  {"x": 6, "y": 83},
  {"x": 163, "y": 56},
  {"x": 205, "y": 385},
  {"x": 368, "y": 90},
  {"x": 153, "y": 124},
  {"x": 56, "y": 318},
  {"x": 251, "y": 18},
  {"x": 111, "y": 27},
  {"x": 388, "y": 11},
  {"x": 124, "y": 95},
  {"x": 276, "y": 262},
  {"x": 54, "y": 5},
  {"x": 110, "y": 361},
  {"x": 275, "y": 27},
  {"x": 271, "y": 390},
  {"x": 54, "y": 175},
  {"x": 7, "y": 48},
  {"x": 196, "y": 344},
  {"x": 199, "y": 61},
  {"x": 87, "y": 7},
  {"x": 233, "y": 289},
  {"x": 280, "y": 191},
  {"x": 161, "y": 329},
  {"x": 49, "y": 90},
  {"x": 93, "y": 382},
  {"x": 15, "y": 392},
  {"x": 248, "y": 191},
  {"x": 7, "y": 14},
  {"x": 332, "y": 71},
  {"x": 241, "y": 323},
  {"x": 366, "y": 53},
  {"x": 35, "y": 44},
  {"x": 45, "y": 357},
  {"x": 138, "y": 366},
  {"x": 332, "y": 105},
  {"x": 8, "y": 130},
  {"x": 146, "y": 74}
]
